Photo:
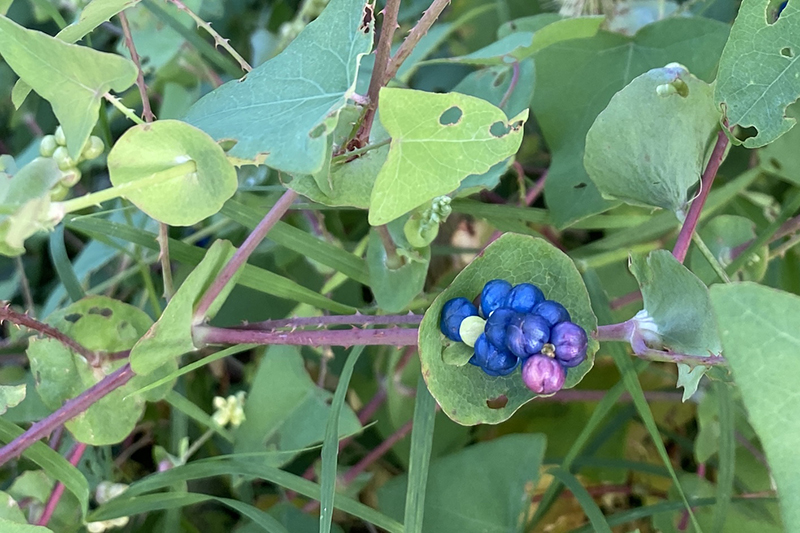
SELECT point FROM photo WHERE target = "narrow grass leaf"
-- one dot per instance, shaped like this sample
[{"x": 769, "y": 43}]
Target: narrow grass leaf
[
  {"x": 63, "y": 266},
  {"x": 330, "y": 444},
  {"x": 727, "y": 455},
  {"x": 419, "y": 459},
  {"x": 182, "y": 404},
  {"x": 593, "y": 512}
]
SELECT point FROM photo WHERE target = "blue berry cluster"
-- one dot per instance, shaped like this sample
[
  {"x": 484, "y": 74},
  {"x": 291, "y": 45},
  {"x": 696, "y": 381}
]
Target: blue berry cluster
[{"x": 521, "y": 328}]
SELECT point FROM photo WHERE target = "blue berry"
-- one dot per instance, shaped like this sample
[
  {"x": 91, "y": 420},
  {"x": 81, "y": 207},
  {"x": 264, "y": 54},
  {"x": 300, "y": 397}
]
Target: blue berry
[
  {"x": 542, "y": 374},
  {"x": 493, "y": 361},
  {"x": 496, "y": 326},
  {"x": 494, "y": 295},
  {"x": 524, "y": 297},
  {"x": 527, "y": 334},
  {"x": 570, "y": 342},
  {"x": 453, "y": 312},
  {"x": 552, "y": 311}
]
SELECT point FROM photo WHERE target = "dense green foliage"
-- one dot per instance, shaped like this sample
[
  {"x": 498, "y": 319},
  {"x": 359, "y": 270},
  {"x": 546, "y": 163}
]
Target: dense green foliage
[{"x": 228, "y": 229}]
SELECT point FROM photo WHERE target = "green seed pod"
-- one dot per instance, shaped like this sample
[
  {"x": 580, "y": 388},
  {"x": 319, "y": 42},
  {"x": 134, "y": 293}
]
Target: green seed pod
[
  {"x": 59, "y": 135},
  {"x": 71, "y": 177},
  {"x": 64, "y": 161},
  {"x": 47, "y": 146},
  {"x": 93, "y": 148},
  {"x": 58, "y": 192}
]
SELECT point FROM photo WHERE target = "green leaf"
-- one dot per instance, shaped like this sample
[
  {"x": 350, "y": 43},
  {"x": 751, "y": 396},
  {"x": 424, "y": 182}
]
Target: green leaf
[
  {"x": 230, "y": 465},
  {"x": 285, "y": 410},
  {"x": 395, "y": 288},
  {"x": 576, "y": 79},
  {"x": 649, "y": 146},
  {"x": 781, "y": 155},
  {"x": 7, "y": 526},
  {"x": 52, "y": 463},
  {"x": 420, "y": 455},
  {"x": 467, "y": 135},
  {"x": 100, "y": 324},
  {"x": 283, "y": 111},
  {"x": 72, "y": 78},
  {"x": 485, "y": 487},
  {"x": 520, "y": 39},
  {"x": 758, "y": 327},
  {"x": 147, "y": 150},
  {"x": 330, "y": 443},
  {"x": 11, "y": 396},
  {"x": 758, "y": 72},
  {"x": 722, "y": 234},
  {"x": 9, "y": 509},
  {"x": 463, "y": 392},
  {"x": 678, "y": 304},
  {"x": 171, "y": 336},
  {"x": 492, "y": 84}
]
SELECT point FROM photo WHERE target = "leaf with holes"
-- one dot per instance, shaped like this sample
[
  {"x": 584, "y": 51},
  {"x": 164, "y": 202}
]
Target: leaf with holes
[
  {"x": 759, "y": 75},
  {"x": 466, "y": 393},
  {"x": 164, "y": 148},
  {"x": 758, "y": 327},
  {"x": 100, "y": 324},
  {"x": 649, "y": 146},
  {"x": 282, "y": 112},
  {"x": 72, "y": 78},
  {"x": 437, "y": 141},
  {"x": 171, "y": 336},
  {"x": 576, "y": 79}
]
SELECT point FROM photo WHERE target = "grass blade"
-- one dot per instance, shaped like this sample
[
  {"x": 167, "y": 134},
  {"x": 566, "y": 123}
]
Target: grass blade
[
  {"x": 631, "y": 380},
  {"x": 419, "y": 459},
  {"x": 330, "y": 444},
  {"x": 182, "y": 404},
  {"x": 53, "y": 464},
  {"x": 593, "y": 512},
  {"x": 63, "y": 266},
  {"x": 727, "y": 455}
]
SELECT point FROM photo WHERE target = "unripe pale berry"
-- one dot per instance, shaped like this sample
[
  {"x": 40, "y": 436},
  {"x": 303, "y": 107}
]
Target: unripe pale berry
[
  {"x": 93, "y": 148},
  {"x": 61, "y": 139},
  {"x": 62, "y": 158},
  {"x": 71, "y": 177},
  {"x": 542, "y": 374},
  {"x": 47, "y": 146}
]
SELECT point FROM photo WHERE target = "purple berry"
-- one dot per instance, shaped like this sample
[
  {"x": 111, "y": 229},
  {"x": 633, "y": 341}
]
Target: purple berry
[
  {"x": 569, "y": 341},
  {"x": 552, "y": 311},
  {"x": 493, "y": 361},
  {"x": 527, "y": 334},
  {"x": 524, "y": 297},
  {"x": 494, "y": 295},
  {"x": 453, "y": 313},
  {"x": 542, "y": 374},
  {"x": 496, "y": 325}
]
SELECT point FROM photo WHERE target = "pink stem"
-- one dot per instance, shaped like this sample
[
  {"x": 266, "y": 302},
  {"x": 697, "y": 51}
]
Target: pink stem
[
  {"x": 240, "y": 257},
  {"x": 322, "y": 321},
  {"x": 55, "y": 496},
  {"x": 536, "y": 190},
  {"x": 706, "y": 180},
  {"x": 204, "y": 335},
  {"x": 69, "y": 410}
]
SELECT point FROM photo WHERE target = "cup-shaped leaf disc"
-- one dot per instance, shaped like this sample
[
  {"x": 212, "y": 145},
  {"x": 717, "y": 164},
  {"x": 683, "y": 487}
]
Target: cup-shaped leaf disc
[
  {"x": 163, "y": 148},
  {"x": 468, "y": 395}
]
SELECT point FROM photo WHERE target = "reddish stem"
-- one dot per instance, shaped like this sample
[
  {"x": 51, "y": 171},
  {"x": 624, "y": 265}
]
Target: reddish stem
[
  {"x": 20, "y": 319},
  {"x": 205, "y": 335},
  {"x": 622, "y": 301},
  {"x": 323, "y": 321},
  {"x": 69, "y": 410},
  {"x": 240, "y": 257},
  {"x": 512, "y": 85},
  {"x": 536, "y": 190},
  {"x": 706, "y": 181},
  {"x": 52, "y": 502},
  {"x": 147, "y": 112}
]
